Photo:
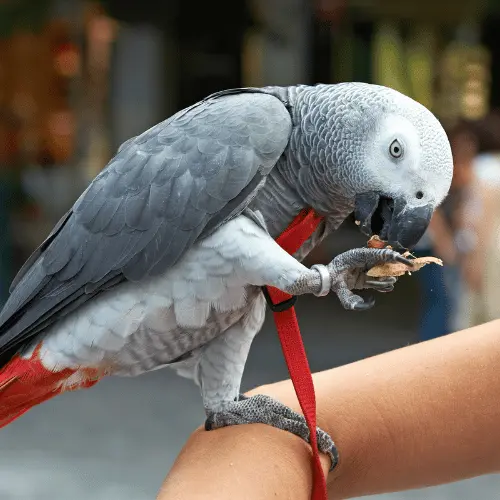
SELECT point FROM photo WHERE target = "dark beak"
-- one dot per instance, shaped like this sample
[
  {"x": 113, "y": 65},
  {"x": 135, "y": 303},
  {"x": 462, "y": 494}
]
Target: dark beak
[{"x": 393, "y": 220}]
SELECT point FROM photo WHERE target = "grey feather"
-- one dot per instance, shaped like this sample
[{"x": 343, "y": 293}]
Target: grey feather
[
  {"x": 36, "y": 254},
  {"x": 162, "y": 191}
]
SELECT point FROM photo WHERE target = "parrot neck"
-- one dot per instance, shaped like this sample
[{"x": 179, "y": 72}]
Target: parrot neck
[
  {"x": 296, "y": 182},
  {"x": 279, "y": 203}
]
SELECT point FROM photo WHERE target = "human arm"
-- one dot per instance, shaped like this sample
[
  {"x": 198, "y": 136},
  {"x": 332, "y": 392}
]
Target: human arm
[{"x": 422, "y": 415}]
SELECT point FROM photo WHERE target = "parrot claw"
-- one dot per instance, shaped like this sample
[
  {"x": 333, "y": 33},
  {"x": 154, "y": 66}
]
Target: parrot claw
[
  {"x": 348, "y": 272},
  {"x": 364, "y": 305},
  {"x": 382, "y": 283},
  {"x": 261, "y": 409},
  {"x": 404, "y": 260}
]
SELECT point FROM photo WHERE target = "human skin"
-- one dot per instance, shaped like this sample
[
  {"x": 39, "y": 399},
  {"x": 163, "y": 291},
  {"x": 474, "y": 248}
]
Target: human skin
[{"x": 422, "y": 415}]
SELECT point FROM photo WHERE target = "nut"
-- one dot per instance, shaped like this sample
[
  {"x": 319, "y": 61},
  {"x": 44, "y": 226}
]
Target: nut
[{"x": 398, "y": 268}]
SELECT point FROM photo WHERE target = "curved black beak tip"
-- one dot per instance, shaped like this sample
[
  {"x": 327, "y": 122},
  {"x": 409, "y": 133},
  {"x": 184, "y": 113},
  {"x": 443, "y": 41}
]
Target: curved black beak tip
[{"x": 408, "y": 226}]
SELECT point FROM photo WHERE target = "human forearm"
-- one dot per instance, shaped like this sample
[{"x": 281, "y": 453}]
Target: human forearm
[
  {"x": 247, "y": 462},
  {"x": 422, "y": 415}
]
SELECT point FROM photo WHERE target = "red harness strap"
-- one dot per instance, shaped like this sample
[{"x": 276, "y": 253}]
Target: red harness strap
[{"x": 291, "y": 240}]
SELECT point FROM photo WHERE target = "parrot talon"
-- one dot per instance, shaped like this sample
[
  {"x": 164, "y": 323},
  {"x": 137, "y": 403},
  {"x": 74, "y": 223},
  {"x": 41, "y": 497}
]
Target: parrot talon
[
  {"x": 364, "y": 305},
  {"x": 404, "y": 260},
  {"x": 261, "y": 409},
  {"x": 382, "y": 284}
]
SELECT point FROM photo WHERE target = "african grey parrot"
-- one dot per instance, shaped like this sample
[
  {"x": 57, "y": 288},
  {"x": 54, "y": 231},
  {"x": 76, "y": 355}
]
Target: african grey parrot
[{"x": 161, "y": 260}]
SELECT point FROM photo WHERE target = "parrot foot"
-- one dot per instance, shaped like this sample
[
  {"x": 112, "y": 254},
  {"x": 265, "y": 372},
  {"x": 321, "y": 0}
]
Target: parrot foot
[
  {"x": 348, "y": 270},
  {"x": 262, "y": 409}
]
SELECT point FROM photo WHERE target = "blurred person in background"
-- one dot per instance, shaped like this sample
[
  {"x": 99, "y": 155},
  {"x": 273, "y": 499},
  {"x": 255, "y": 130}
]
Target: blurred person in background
[
  {"x": 481, "y": 230},
  {"x": 446, "y": 238}
]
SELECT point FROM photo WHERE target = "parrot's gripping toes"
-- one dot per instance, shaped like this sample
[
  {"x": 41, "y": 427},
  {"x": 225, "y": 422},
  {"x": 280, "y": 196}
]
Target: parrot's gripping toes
[
  {"x": 348, "y": 270},
  {"x": 261, "y": 409}
]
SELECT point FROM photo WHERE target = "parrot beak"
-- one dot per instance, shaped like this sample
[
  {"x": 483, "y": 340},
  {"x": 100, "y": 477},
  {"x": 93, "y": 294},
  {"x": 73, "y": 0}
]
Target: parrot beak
[
  {"x": 408, "y": 224},
  {"x": 393, "y": 220}
]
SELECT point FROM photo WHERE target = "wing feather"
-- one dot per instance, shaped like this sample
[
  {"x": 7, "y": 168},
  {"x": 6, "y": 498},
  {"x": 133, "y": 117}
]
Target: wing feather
[{"x": 163, "y": 190}]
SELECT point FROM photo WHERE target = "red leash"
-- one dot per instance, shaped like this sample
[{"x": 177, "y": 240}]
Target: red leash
[{"x": 297, "y": 233}]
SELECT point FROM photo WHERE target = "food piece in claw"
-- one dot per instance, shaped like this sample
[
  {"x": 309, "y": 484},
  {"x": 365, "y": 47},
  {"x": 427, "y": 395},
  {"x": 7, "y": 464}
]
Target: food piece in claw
[{"x": 397, "y": 268}]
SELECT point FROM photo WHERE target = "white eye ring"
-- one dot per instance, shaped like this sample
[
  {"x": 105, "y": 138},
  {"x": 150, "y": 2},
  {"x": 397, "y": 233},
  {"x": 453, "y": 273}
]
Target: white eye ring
[{"x": 396, "y": 149}]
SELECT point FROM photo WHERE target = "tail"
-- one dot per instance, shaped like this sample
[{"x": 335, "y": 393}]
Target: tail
[{"x": 25, "y": 383}]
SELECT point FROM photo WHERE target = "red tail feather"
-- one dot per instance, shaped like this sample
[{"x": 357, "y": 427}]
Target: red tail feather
[{"x": 25, "y": 382}]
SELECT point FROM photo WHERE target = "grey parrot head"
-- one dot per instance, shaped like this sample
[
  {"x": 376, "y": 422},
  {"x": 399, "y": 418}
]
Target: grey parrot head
[{"x": 388, "y": 155}]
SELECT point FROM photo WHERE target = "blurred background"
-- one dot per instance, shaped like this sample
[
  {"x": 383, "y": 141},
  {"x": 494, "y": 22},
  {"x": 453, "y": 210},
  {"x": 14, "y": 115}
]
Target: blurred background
[{"x": 79, "y": 77}]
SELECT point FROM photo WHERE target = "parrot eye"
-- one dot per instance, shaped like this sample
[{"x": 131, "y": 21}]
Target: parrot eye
[{"x": 396, "y": 149}]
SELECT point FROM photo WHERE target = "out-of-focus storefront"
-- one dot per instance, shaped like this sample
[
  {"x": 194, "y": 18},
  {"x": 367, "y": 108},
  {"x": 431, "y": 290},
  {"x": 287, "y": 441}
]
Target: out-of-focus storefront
[
  {"x": 37, "y": 64},
  {"x": 54, "y": 57},
  {"x": 439, "y": 53}
]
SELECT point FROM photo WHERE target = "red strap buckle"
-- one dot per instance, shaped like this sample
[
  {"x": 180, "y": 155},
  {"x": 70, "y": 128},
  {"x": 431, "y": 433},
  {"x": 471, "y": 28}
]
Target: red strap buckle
[{"x": 284, "y": 305}]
